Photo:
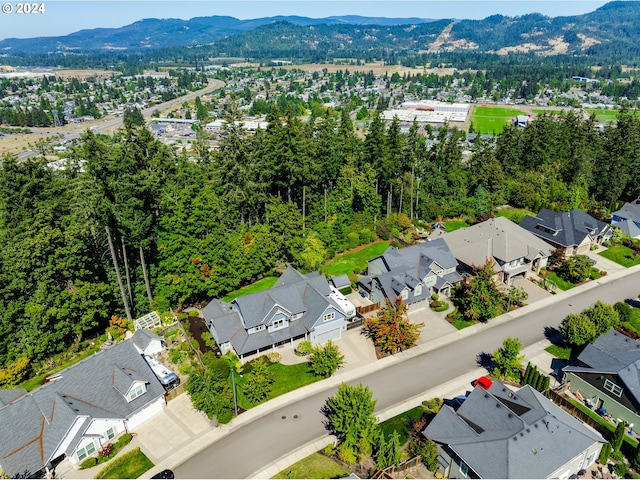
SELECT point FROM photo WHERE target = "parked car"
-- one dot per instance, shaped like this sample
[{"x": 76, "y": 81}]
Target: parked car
[{"x": 164, "y": 474}]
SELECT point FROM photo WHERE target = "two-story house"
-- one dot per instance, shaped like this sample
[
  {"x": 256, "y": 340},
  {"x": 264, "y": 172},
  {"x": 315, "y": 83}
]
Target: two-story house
[
  {"x": 500, "y": 433},
  {"x": 414, "y": 273},
  {"x": 607, "y": 376},
  {"x": 297, "y": 307},
  {"x": 514, "y": 251},
  {"x": 78, "y": 411},
  {"x": 627, "y": 218},
  {"x": 573, "y": 233}
]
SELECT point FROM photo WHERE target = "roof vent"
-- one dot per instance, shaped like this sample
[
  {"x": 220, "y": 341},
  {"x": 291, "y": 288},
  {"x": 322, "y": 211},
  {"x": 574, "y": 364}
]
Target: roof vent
[{"x": 534, "y": 451}]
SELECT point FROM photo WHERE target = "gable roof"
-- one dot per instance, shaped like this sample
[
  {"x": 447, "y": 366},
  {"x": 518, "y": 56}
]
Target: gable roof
[
  {"x": 629, "y": 211},
  {"x": 8, "y": 395},
  {"x": 497, "y": 238},
  {"x": 418, "y": 258},
  {"x": 564, "y": 228},
  {"x": 293, "y": 293},
  {"x": 34, "y": 426},
  {"x": 143, "y": 337},
  {"x": 499, "y": 433},
  {"x": 612, "y": 353},
  {"x": 630, "y": 228}
]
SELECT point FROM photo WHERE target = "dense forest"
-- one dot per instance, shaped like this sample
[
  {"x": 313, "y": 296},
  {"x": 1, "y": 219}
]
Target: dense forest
[{"x": 202, "y": 223}]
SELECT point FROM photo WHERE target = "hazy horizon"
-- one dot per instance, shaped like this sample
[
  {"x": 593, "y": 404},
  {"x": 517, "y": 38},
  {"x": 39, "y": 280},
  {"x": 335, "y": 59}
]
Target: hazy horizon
[{"x": 62, "y": 17}]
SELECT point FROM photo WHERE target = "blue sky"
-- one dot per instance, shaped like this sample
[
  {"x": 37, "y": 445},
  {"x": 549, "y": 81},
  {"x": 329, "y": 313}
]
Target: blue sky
[{"x": 62, "y": 17}]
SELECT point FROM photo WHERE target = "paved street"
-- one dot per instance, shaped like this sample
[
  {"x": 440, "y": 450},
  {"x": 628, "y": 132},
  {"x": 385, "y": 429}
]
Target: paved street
[{"x": 291, "y": 426}]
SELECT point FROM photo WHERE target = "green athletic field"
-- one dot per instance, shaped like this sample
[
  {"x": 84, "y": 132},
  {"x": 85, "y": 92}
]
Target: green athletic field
[{"x": 492, "y": 119}]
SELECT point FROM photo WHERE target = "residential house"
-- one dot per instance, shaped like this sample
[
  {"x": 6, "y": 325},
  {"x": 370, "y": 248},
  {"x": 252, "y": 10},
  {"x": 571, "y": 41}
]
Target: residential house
[
  {"x": 414, "y": 273},
  {"x": 514, "y": 251},
  {"x": 627, "y": 219},
  {"x": 297, "y": 307},
  {"x": 501, "y": 433},
  {"x": 607, "y": 376},
  {"x": 573, "y": 232},
  {"x": 147, "y": 342},
  {"x": 78, "y": 411}
]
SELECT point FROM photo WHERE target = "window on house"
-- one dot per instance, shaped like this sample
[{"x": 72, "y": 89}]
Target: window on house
[
  {"x": 278, "y": 324},
  {"x": 136, "y": 392},
  {"x": 329, "y": 316},
  {"x": 85, "y": 451},
  {"x": 612, "y": 387},
  {"x": 259, "y": 328},
  {"x": 296, "y": 316},
  {"x": 464, "y": 470},
  {"x": 110, "y": 434},
  {"x": 404, "y": 294}
]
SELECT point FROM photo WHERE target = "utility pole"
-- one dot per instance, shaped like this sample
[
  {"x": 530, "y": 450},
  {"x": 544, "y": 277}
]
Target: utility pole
[{"x": 117, "y": 269}]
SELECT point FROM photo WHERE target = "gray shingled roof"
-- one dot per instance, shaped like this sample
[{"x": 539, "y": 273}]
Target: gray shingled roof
[
  {"x": 8, "y": 395},
  {"x": 497, "y": 238},
  {"x": 567, "y": 229},
  {"x": 612, "y": 353},
  {"x": 629, "y": 227},
  {"x": 630, "y": 211},
  {"x": 32, "y": 427},
  {"x": 504, "y": 434},
  {"x": 143, "y": 337},
  {"x": 341, "y": 281},
  {"x": 293, "y": 293}
]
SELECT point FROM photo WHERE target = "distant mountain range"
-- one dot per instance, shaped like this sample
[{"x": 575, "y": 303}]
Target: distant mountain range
[{"x": 612, "y": 30}]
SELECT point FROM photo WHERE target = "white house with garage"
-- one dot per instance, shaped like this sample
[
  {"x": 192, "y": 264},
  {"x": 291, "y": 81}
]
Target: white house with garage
[
  {"x": 78, "y": 411},
  {"x": 298, "y": 307}
]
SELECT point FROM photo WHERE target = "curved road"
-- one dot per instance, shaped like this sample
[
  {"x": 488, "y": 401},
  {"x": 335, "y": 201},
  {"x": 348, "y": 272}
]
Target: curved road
[
  {"x": 252, "y": 446},
  {"x": 110, "y": 122}
]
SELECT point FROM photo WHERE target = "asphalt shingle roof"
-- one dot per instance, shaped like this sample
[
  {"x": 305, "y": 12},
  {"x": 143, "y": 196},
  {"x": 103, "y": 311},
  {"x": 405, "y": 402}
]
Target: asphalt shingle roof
[
  {"x": 630, "y": 211},
  {"x": 564, "y": 228},
  {"x": 293, "y": 293},
  {"x": 613, "y": 353},
  {"x": 32, "y": 427},
  {"x": 504, "y": 434}
]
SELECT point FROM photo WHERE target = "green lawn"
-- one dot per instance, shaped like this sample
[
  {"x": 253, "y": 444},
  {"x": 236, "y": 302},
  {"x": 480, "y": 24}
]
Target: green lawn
[
  {"x": 492, "y": 119},
  {"x": 455, "y": 224},
  {"x": 264, "y": 284},
  {"x": 459, "y": 322},
  {"x": 402, "y": 423},
  {"x": 315, "y": 465},
  {"x": 603, "y": 115},
  {"x": 601, "y": 420},
  {"x": 560, "y": 352},
  {"x": 514, "y": 214},
  {"x": 621, "y": 255},
  {"x": 559, "y": 282},
  {"x": 132, "y": 466},
  {"x": 346, "y": 263},
  {"x": 635, "y": 319},
  {"x": 288, "y": 378}
]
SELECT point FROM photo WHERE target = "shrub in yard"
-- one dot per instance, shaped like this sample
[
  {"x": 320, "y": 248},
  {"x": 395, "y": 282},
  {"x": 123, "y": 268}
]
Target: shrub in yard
[
  {"x": 605, "y": 453},
  {"x": 433, "y": 404},
  {"x": 106, "y": 450},
  {"x": 329, "y": 449},
  {"x": 88, "y": 463},
  {"x": 441, "y": 307},
  {"x": 274, "y": 357},
  {"x": 620, "y": 469},
  {"x": 124, "y": 439},
  {"x": 347, "y": 455},
  {"x": 304, "y": 348}
]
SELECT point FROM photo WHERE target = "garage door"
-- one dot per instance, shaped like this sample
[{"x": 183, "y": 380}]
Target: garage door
[{"x": 328, "y": 335}]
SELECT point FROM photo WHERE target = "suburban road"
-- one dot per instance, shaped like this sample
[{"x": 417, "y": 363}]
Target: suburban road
[
  {"x": 255, "y": 445},
  {"x": 110, "y": 123}
]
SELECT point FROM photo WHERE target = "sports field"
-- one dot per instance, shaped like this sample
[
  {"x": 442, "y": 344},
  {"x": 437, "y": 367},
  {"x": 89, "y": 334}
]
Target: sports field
[{"x": 492, "y": 119}]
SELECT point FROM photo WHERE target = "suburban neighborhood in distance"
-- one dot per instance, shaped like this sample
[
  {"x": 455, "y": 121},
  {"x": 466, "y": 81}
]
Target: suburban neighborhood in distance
[{"x": 401, "y": 245}]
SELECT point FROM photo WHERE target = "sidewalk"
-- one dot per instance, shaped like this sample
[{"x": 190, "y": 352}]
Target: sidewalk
[{"x": 179, "y": 431}]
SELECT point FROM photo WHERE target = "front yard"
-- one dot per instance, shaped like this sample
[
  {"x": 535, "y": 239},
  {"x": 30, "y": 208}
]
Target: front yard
[
  {"x": 621, "y": 255},
  {"x": 315, "y": 465}
]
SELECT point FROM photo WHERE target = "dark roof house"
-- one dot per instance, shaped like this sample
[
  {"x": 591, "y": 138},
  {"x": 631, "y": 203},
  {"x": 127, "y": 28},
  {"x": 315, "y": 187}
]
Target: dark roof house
[
  {"x": 297, "y": 307},
  {"x": 575, "y": 232},
  {"x": 501, "y": 433},
  {"x": 414, "y": 273},
  {"x": 607, "y": 376},
  {"x": 628, "y": 218},
  {"x": 78, "y": 410}
]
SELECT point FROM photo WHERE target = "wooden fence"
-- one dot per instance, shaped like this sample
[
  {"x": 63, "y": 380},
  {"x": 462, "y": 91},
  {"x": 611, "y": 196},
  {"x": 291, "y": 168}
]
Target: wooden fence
[
  {"x": 355, "y": 323},
  {"x": 367, "y": 308},
  {"x": 390, "y": 472},
  {"x": 175, "y": 392}
]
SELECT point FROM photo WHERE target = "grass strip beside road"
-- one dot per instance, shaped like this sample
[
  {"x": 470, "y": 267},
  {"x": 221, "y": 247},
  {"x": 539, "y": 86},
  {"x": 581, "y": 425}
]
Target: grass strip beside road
[
  {"x": 559, "y": 282},
  {"x": 131, "y": 465},
  {"x": 315, "y": 465}
]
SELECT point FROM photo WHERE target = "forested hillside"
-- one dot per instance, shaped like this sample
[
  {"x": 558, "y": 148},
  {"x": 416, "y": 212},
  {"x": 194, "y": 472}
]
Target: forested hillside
[{"x": 294, "y": 193}]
